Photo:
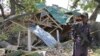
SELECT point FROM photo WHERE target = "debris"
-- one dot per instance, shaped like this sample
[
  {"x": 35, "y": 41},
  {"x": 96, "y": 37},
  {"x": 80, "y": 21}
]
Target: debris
[
  {"x": 15, "y": 53},
  {"x": 7, "y": 45},
  {"x": 2, "y": 51}
]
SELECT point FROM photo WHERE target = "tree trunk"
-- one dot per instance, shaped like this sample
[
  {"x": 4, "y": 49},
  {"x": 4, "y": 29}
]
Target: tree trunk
[
  {"x": 2, "y": 12},
  {"x": 95, "y": 13},
  {"x": 12, "y": 2}
]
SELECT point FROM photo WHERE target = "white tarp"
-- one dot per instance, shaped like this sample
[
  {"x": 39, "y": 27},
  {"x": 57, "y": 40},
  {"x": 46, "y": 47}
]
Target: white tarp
[{"x": 47, "y": 38}]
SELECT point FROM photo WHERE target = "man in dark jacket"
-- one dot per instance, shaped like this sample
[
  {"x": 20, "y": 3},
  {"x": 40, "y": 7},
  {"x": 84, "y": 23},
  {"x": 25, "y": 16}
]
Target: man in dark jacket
[{"x": 81, "y": 35}]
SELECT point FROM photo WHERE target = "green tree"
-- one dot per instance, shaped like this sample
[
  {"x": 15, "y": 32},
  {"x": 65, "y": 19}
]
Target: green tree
[
  {"x": 89, "y": 6},
  {"x": 17, "y": 7},
  {"x": 24, "y": 5}
]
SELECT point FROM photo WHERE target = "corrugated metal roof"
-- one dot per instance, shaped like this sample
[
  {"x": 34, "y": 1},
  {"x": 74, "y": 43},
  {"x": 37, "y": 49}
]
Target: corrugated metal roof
[{"x": 58, "y": 15}]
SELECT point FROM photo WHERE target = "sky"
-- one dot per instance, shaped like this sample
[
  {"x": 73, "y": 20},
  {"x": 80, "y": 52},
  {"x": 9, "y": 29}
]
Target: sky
[
  {"x": 6, "y": 7},
  {"x": 66, "y": 4},
  {"x": 61, "y": 3}
]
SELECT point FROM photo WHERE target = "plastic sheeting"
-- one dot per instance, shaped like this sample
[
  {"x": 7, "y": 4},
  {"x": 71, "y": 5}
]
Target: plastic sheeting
[{"x": 44, "y": 36}]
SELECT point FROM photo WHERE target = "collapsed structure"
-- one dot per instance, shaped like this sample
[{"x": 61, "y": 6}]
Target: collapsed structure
[{"x": 51, "y": 18}]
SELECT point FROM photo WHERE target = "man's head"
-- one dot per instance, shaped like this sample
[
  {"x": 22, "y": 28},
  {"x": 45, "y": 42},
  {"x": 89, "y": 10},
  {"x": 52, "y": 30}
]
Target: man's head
[
  {"x": 78, "y": 19},
  {"x": 84, "y": 17}
]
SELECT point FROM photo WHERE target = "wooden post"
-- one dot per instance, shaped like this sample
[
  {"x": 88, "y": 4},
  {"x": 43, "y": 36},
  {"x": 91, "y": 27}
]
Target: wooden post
[
  {"x": 29, "y": 40},
  {"x": 57, "y": 31}
]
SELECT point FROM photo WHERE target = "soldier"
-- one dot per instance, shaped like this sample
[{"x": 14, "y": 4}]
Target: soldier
[{"x": 81, "y": 35}]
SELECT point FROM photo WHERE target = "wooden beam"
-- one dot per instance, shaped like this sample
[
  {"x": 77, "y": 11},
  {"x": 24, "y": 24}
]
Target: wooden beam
[{"x": 55, "y": 22}]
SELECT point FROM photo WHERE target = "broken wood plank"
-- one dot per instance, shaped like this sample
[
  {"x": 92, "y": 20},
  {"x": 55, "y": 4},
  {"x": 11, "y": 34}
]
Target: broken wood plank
[
  {"x": 37, "y": 43},
  {"x": 53, "y": 30}
]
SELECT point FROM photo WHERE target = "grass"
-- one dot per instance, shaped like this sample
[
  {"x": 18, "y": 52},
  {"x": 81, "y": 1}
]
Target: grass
[{"x": 96, "y": 52}]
